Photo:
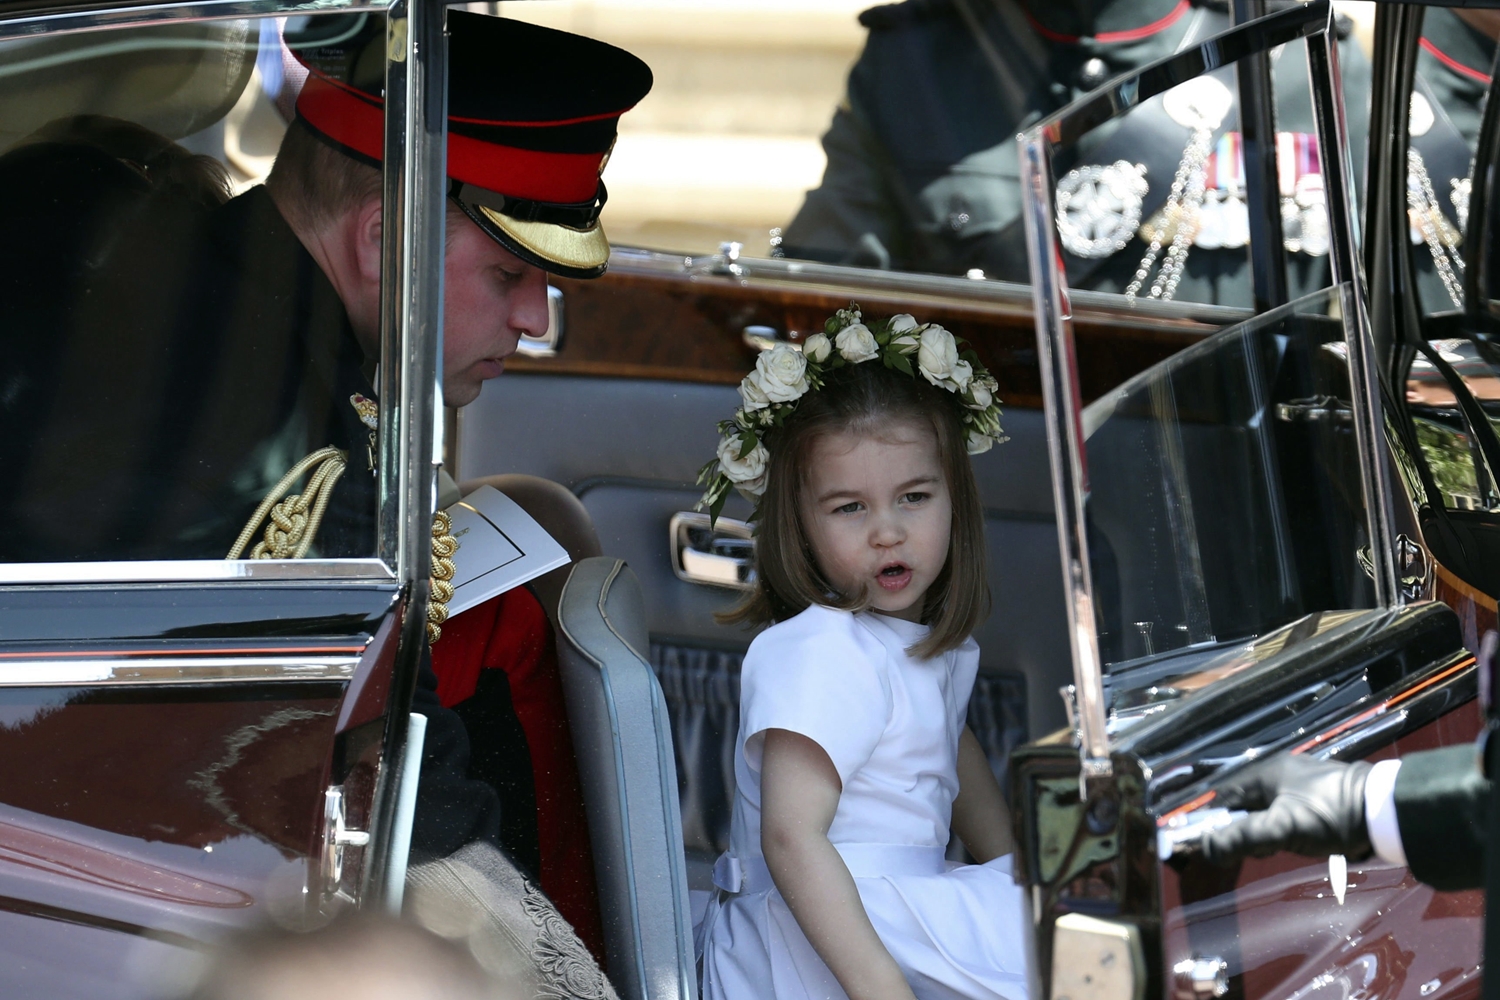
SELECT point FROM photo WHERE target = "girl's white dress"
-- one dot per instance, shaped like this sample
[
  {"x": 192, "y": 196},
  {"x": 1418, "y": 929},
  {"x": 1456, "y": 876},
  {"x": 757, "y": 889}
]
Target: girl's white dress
[{"x": 890, "y": 724}]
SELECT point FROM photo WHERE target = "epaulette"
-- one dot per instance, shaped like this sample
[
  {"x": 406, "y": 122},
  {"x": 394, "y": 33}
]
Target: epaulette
[{"x": 894, "y": 15}]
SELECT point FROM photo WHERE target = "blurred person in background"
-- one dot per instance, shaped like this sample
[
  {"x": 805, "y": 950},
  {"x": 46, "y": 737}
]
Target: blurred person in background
[
  {"x": 923, "y": 173},
  {"x": 358, "y": 956}
]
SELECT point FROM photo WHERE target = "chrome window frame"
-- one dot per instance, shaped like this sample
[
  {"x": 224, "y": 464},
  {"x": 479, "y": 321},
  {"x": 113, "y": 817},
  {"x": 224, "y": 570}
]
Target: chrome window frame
[
  {"x": 21, "y": 24},
  {"x": 412, "y": 342},
  {"x": 1065, "y": 438}
]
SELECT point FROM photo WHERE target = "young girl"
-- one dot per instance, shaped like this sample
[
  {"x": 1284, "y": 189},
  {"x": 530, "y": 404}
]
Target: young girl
[{"x": 853, "y": 757}]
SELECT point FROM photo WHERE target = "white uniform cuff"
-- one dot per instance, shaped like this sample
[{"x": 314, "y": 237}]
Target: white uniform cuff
[{"x": 1380, "y": 812}]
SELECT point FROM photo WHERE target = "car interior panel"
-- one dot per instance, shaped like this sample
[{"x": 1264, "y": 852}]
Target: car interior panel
[{"x": 625, "y": 757}]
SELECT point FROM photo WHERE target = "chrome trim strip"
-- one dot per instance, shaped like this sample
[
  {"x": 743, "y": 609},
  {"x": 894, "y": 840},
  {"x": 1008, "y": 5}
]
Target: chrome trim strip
[
  {"x": 406, "y": 812},
  {"x": 193, "y": 570},
  {"x": 177, "y": 670},
  {"x": 411, "y": 319},
  {"x": 1364, "y": 379},
  {"x": 1063, "y": 412},
  {"x": 22, "y": 26},
  {"x": 840, "y": 279}
]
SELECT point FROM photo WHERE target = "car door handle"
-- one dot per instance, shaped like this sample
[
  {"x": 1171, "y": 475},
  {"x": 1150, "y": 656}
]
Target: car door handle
[{"x": 717, "y": 555}]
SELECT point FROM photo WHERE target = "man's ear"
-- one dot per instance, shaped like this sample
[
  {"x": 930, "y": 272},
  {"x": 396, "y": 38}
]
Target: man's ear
[{"x": 367, "y": 240}]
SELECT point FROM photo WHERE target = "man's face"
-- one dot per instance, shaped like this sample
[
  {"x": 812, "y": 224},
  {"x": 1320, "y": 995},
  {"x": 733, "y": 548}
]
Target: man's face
[{"x": 491, "y": 297}]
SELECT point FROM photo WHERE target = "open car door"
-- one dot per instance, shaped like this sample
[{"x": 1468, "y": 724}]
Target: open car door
[
  {"x": 193, "y": 743},
  {"x": 1247, "y": 575}
]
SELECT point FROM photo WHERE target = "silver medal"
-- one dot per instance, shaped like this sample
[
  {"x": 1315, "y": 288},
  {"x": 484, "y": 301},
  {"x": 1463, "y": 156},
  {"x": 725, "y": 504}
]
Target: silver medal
[
  {"x": 1211, "y": 228},
  {"x": 1236, "y": 220},
  {"x": 1312, "y": 215},
  {"x": 1099, "y": 207}
]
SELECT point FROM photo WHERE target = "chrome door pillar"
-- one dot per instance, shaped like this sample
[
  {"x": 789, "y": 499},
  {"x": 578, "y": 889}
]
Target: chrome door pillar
[{"x": 411, "y": 349}]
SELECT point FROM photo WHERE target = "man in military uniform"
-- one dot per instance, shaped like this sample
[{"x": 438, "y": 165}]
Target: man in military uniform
[
  {"x": 922, "y": 165},
  {"x": 525, "y": 194}
]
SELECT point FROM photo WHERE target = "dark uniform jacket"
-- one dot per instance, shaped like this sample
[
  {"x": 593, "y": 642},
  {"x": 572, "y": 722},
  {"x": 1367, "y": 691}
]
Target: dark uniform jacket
[
  {"x": 1442, "y": 809},
  {"x": 166, "y": 366},
  {"x": 923, "y": 172}
]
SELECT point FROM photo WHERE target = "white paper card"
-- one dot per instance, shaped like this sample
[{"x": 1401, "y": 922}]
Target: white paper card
[{"x": 500, "y": 547}]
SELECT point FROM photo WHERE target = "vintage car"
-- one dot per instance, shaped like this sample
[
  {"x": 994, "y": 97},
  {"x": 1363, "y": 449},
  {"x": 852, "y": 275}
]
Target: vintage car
[{"x": 1274, "y": 520}]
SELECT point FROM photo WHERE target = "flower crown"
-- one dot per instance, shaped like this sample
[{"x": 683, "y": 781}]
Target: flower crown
[{"x": 783, "y": 375}]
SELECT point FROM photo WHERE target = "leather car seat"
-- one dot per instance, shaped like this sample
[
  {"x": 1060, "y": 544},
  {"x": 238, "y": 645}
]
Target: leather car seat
[
  {"x": 561, "y": 514},
  {"x": 623, "y": 740}
]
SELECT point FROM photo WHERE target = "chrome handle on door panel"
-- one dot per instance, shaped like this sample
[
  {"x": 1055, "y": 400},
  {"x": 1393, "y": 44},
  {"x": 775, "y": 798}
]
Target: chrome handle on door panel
[
  {"x": 550, "y": 342},
  {"x": 337, "y": 837},
  {"x": 721, "y": 555}
]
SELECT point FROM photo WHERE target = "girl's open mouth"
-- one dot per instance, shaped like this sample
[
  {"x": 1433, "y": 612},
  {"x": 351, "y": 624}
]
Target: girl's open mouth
[{"x": 894, "y": 577}]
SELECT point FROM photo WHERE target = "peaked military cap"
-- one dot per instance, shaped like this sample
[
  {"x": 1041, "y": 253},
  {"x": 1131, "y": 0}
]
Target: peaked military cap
[{"x": 532, "y": 117}]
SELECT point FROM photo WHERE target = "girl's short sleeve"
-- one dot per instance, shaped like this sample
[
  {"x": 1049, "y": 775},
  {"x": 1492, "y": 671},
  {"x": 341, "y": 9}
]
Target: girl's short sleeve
[{"x": 827, "y": 683}]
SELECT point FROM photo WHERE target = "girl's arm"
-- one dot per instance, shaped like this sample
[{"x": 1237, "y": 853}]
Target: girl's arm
[
  {"x": 980, "y": 817},
  {"x": 799, "y": 793}
]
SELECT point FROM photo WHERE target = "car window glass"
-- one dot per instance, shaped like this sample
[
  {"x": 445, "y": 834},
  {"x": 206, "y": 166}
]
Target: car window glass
[
  {"x": 173, "y": 355},
  {"x": 885, "y": 137},
  {"x": 1224, "y": 493},
  {"x": 1444, "y": 421}
]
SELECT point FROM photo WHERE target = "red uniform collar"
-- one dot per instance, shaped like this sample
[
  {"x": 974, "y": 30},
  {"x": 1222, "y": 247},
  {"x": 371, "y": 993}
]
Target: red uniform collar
[
  {"x": 1110, "y": 37},
  {"x": 1478, "y": 76}
]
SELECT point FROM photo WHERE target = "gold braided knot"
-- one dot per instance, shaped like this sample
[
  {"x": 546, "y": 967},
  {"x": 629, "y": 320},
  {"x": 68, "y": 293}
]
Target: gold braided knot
[
  {"x": 294, "y": 519},
  {"x": 444, "y": 546}
]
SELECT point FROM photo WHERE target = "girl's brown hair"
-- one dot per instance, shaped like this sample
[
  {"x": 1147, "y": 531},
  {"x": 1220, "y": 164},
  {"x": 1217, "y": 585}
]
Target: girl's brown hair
[{"x": 863, "y": 398}]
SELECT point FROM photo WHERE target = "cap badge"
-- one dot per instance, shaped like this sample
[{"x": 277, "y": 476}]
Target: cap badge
[{"x": 368, "y": 410}]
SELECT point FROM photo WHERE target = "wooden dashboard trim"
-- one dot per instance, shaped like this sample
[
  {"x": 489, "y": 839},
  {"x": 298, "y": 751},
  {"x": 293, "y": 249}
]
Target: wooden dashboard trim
[{"x": 675, "y": 325}]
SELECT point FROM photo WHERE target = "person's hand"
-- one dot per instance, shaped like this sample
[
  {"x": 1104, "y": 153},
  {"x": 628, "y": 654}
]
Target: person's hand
[{"x": 1311, "y": 807}]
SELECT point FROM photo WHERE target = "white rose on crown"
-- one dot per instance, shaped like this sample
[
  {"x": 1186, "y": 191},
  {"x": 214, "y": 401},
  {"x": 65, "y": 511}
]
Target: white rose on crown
[
  {"x": 937, "y": 356},
  {"x": 978, "y": 443},
  {"x": 781, "y": 377},
  {"x": 982, "y": 392},
  {"x": 752, "y": 395},
  {"x": 747, "y": 473},
  {"x": 780, "y": 374},
  {"x": 856, "y": 343},
  {"x": 817, "y": 348}
]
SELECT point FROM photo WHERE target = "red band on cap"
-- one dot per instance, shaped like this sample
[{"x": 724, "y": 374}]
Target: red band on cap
[
  {"x": 1478, "y": 76},
  {"x": 357, "y": 120}
]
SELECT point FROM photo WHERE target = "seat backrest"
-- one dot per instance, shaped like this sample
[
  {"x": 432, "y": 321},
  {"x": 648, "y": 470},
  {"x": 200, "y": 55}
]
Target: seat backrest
[
  {"x": 560, "y": 514},
  {"x": 623, "y": 740}
]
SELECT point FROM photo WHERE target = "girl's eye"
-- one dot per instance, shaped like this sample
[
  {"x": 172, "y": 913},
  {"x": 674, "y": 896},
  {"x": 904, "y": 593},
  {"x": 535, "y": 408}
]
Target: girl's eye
[
  {"x": 914, "y": 497},
  {"x": 852, "y": 507}
]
